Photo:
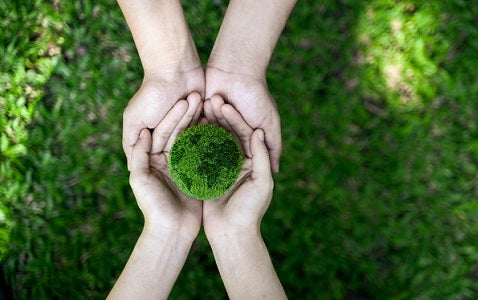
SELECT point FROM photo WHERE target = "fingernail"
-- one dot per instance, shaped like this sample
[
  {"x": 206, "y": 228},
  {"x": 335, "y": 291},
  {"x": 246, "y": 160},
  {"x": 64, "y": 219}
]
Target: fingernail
[{"x": 141, "y": 134}]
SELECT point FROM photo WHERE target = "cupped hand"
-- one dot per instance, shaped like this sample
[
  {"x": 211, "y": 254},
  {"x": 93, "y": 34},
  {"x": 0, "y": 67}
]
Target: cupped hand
[
  {"x": 156, "y": 96},
  {"x": 242, "y": 209},
  {"x": 251, "y": 98},
  {"x": 164, "y": 207}
]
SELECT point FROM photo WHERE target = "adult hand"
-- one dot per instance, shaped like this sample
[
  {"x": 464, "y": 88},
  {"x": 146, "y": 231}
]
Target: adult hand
[
  {"x": 154, "y": 99},
  {"x": 172, "y": 69},
  {"x": 242, "y": 209},
  {"x": 164, "y": 207},
  {"x": 250, "y": 96},
  {"x": 238, "y": 62}
]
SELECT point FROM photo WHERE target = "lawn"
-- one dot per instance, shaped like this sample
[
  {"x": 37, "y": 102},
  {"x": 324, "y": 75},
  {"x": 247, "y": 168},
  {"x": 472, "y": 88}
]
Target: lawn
[{"x": 377, "y": 197}]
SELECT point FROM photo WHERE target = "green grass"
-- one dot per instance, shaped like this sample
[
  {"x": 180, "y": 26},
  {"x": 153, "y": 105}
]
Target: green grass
[
  {"x": 205, "y": 161},
  {"x": 378, "y": 189}
]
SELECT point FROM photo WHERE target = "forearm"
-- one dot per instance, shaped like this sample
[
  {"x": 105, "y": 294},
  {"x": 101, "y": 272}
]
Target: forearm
[
  {"x": 161, "y": 35},
  {"x": 153, "y": 267},
  {"x": 248, "y": 35},
  {"x": 246, "y": 268}
]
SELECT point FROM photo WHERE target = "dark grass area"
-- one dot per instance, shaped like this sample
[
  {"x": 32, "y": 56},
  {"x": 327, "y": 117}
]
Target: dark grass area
[{"x": 378, "y": 189}]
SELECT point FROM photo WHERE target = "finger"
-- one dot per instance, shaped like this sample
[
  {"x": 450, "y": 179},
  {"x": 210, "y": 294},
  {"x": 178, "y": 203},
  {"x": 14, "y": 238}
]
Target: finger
[
  {"x": 166, "y": 127},
  {"x": 208, "y": 113},
  {"x": 275, "y": 158},
  {"x": 217, "y": 103},
  {"x": 274, "y": 145},
  {"x": 197, "y": 115},
  {"x": 238, "y": 126},
  {"x": 204, "y": 121},
  {"x": 129, "y": 135},
  {"x": 261, "y": 168},
  {"x": 195, "y": 107},
  {"x": 140, "y": 154},
  {"x": 194, "y": 101},
  {"x": 159, "y": 163},
  {"x": 131, "y": 131}
]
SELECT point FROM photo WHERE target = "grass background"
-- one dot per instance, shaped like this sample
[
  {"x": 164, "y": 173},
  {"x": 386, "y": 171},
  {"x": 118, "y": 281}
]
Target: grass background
[{"x": 378, "y": 189}]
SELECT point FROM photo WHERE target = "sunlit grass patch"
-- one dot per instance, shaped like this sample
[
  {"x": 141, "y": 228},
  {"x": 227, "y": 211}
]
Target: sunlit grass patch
[{"x": 401, "y": 51}]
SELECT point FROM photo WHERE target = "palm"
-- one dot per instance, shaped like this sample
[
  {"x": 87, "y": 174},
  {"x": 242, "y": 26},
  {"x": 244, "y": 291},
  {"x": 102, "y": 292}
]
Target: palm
[
  {"x": 160, "y": 201},
  {"x": 236, "y": 209},
  {"x": 154, "y": 99},
  {"x": 177, "y": 209},
  {"x": 251, "y": 97},
  {"x": 233, "y": 208}
]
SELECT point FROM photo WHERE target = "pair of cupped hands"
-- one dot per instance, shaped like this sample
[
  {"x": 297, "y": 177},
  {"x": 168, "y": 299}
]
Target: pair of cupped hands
[{"x": 163, "y": 205}]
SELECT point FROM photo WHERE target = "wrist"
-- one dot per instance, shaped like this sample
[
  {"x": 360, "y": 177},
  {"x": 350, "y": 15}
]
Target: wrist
[
  {"x": 182, "y": 235},
  {"x": 230, "y": 62},
  {"x": 192, "y": 75},
  {"x": 224, "y": 76},
  {"x": 168, "y": 60},
  {"x": 236, "y": 49},
  {"x": 224, "y": 231},
  {"x": 161, "y": 35},
  {"x": 234, "y": 238}
]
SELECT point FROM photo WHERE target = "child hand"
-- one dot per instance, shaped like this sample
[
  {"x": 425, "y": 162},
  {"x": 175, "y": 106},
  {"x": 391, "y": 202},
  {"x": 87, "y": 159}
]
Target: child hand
[
  {"x": 163, "y": 206},
  {"x": 240, "y": 211}
]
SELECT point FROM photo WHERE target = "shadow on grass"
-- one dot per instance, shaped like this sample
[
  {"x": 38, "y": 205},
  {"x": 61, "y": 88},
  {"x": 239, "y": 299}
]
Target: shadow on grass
[{"x": 5, "y": 292}]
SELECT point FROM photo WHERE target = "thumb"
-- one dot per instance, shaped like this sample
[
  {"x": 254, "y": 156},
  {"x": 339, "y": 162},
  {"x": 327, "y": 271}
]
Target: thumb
[
  {"x": 130, "y": 138},
  {"x": 261, "y": 167},
  {"x": 140, "y": 153}
]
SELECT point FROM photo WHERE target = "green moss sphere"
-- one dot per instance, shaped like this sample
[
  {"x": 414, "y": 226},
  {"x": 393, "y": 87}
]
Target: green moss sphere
[{"x": 205, "y": 161}]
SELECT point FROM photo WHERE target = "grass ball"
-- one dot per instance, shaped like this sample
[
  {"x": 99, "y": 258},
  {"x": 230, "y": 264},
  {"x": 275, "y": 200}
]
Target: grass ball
[{"x": 205, "y": 161}]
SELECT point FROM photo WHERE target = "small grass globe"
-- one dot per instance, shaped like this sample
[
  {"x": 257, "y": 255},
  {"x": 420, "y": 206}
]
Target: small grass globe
[{"x": 205, "y": 161}]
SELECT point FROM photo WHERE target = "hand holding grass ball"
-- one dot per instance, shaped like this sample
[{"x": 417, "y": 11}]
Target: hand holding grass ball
[
  {"x": 166, "y": 210},
  {"x": 240, "y": 211},
  {"x": 205, "y": 161}
]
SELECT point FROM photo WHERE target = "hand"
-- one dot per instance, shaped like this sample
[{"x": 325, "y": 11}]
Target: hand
[
  {"x": 250, "y": 96},
  {"x": 242, "y": 209},
  {"x": 232, "y": 222},
  {"x": 164, "y": 207},
  {"x": 154, "y": 99}
]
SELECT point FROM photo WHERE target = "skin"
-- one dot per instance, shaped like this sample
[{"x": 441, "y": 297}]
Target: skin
[
  {"x": 238, "y": 62},
  {"x": 235, "y": 70},
  {"x": 173, "y": 220},
  {"x": 235, "y": 83},
  {"x": 172, "y": 69},
  {"x": 232, "y": 223}
]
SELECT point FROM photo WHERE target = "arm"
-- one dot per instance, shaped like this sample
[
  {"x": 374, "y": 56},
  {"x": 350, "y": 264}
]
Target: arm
[
  {"x": 238, "y": 62},
  {"x": 172, "y": 69},
  {"x": 246, "y": 268},
  {"x": 172, "y": 220},
  {"x": 153, "y": 266},
  {"x": 232, "y": 223},
  {"x": 161, "y": 35},
  {"x": 248, "y": 35}
]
